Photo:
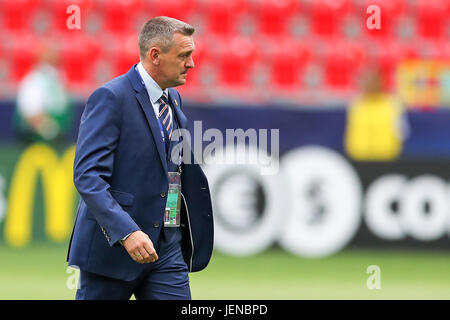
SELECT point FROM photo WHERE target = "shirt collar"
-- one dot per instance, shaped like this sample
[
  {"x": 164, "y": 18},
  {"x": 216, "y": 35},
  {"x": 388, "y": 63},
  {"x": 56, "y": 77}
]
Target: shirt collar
[{"x": 154, "y": 90}]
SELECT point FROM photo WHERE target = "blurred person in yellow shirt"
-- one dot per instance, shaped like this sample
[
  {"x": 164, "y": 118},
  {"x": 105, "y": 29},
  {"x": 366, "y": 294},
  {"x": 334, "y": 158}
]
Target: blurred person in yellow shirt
[{"x": 376, "y": 124}]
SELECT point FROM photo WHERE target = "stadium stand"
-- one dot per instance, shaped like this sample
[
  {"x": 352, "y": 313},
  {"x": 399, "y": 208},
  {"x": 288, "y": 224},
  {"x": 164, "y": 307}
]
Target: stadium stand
[{"x": 243, "y": 46}]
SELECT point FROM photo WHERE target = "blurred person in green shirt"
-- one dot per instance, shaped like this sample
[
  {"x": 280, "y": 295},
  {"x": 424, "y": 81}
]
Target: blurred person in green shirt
[{"x": 44, "y": 109}]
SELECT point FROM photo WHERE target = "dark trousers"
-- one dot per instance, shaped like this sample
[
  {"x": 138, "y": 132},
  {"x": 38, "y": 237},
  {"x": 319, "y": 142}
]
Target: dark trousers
[{"x": 166, "y": 279}]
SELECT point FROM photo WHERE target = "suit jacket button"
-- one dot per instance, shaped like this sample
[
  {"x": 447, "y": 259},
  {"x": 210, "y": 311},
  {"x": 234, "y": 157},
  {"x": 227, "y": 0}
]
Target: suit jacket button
[
  {"x": 156, "y": 224},
  {"x": 163, "y": 194}
]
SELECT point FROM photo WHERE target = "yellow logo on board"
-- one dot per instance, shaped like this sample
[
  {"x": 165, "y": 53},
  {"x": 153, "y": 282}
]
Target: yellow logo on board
[{"x": 59, "y": 194}]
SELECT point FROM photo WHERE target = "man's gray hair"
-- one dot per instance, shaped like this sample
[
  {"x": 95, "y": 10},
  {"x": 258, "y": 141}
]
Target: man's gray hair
[{"x": 159, "y": 31}]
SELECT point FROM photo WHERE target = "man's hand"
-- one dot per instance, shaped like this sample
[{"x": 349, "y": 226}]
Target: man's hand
[{"x": 140, "y": 247}]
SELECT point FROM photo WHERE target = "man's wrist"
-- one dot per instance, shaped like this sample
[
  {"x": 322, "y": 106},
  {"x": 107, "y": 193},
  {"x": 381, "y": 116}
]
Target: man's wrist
[{"x": 124, "y": 238}]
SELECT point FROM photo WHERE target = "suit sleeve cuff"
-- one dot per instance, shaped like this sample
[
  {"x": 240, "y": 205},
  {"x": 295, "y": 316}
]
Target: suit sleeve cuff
[{"x": 124, "y": 238}]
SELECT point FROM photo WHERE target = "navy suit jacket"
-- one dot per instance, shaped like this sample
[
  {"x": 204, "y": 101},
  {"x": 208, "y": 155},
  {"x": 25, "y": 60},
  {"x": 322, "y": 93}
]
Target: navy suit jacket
[{"x": 120, "y": 171}]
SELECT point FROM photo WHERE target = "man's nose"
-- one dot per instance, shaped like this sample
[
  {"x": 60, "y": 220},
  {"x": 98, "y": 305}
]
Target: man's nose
[{"x": 190, "y": 63}]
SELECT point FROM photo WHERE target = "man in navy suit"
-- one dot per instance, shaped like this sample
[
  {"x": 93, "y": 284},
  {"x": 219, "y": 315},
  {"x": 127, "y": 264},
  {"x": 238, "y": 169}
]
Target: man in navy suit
[{"x": 122, "y": 165}]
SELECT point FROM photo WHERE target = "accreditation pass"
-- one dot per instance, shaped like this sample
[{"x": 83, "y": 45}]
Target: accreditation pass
[{"x": 172, "y": 211}]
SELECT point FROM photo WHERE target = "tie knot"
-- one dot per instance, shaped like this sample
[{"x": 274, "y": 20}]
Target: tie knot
[{"x": 164, "y": 98}]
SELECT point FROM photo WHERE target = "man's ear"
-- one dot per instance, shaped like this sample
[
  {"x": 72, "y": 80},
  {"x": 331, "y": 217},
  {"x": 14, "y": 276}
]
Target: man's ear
[{"x": 154, "y": 55}]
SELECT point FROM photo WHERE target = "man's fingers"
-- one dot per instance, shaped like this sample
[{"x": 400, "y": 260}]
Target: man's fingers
[
  {"x": 137, "y": 256},
  {"x": 146, "y": 257},
  {"x": 140, "y": 247},
  {"x": 141, "y": 255},
  {"x": 151, "y": 251}
]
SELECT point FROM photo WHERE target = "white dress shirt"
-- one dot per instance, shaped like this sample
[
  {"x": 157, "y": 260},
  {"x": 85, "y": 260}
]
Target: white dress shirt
[{"x": 153, "y": 89}]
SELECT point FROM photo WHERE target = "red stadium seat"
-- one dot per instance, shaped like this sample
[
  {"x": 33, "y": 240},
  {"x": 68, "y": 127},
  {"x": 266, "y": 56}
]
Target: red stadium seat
[
  {"x": 80, "y": 55},
  {"x": 223, "y": 17},
  {"x": 122, "y": 16},
  {"x": 236, "y": 59},
  {"x": 342, "y": 61},
  {"x": 22, "y": 56},
  {"x": 390, "y": 12},
  {"x": 327, "y": 16},
  {"x": 59, "y": 15},
  {"x": 432, "y": 18},
  {"x": 286, "y": 59},
  {"x": 126, "y": 53},
  {"x": 18, "y": 14},
  {"x": 274, "y": 16},
  {"x": 172, "y": 8}
]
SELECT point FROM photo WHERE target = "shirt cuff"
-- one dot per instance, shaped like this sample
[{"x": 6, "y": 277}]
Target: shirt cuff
[{"x": 124, "y": 238}]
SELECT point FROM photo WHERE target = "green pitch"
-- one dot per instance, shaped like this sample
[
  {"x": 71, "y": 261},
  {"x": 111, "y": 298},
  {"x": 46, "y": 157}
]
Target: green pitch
[{"x": 40, "y": 272}]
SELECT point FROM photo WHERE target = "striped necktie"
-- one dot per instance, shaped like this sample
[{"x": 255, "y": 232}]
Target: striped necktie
[{"x": 164, "y": 114}]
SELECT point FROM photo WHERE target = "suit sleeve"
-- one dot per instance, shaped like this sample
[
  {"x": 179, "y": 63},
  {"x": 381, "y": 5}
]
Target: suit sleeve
[{"x": 94, "y": 159}]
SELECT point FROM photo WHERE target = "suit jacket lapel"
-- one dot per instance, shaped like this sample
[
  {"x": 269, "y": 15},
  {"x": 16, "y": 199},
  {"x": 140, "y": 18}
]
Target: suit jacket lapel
[
  {"x": 175, "y": 102},
  {"x": 146, "y": 105}
]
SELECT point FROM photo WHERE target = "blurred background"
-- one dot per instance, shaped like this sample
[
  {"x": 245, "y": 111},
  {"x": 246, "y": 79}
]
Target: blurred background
[{"x": 359, "y": 90}]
